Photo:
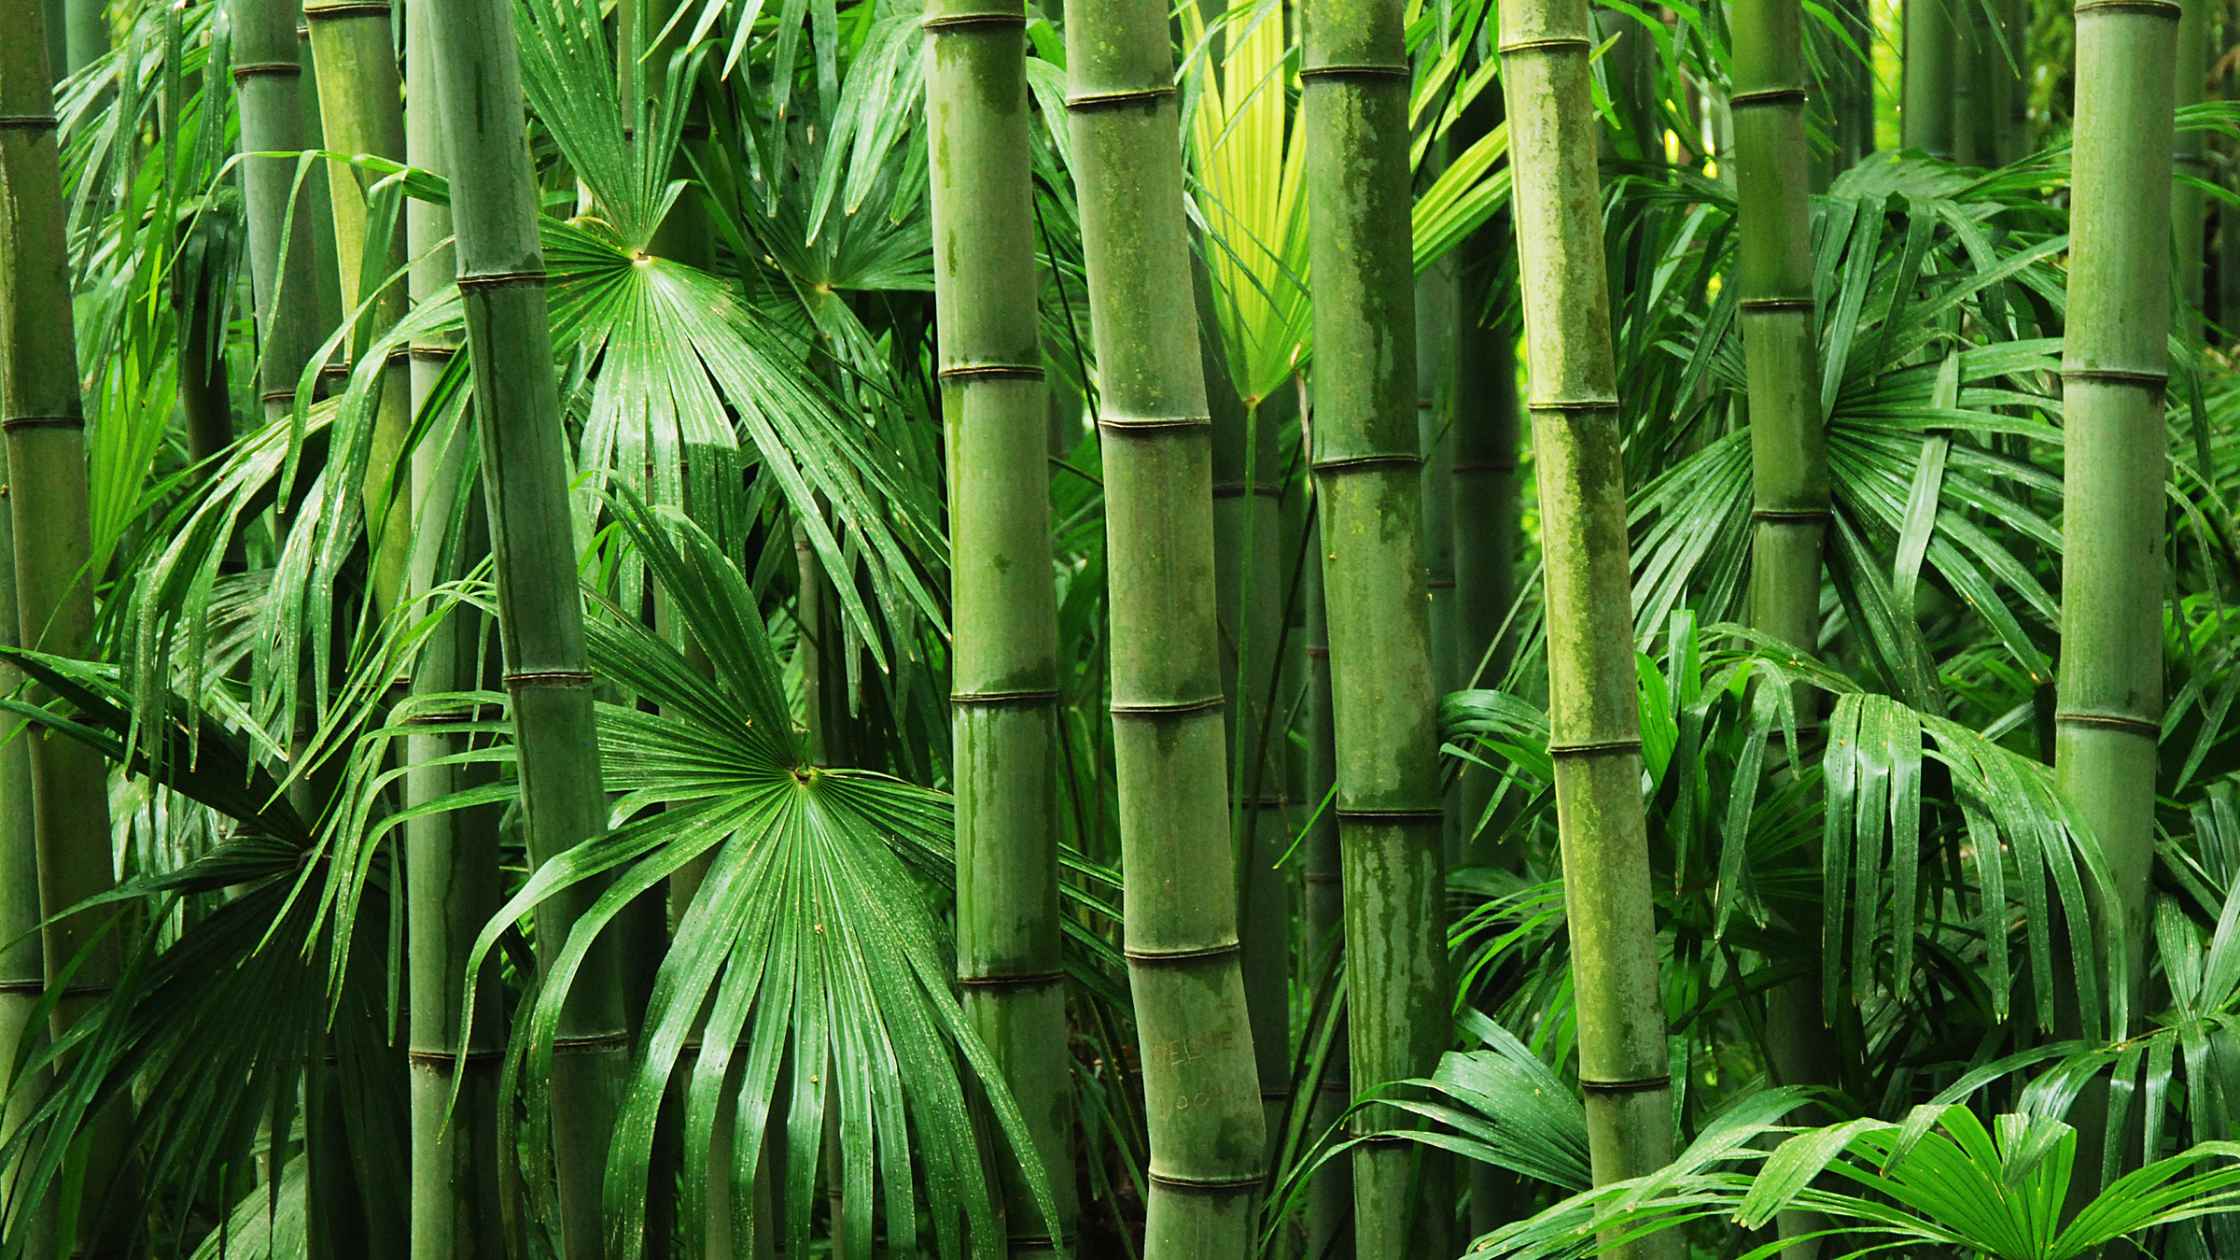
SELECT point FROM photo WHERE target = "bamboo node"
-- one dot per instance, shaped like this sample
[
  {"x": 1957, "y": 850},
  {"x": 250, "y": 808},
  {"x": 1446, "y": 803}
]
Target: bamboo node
[
  {"x": 1439, "y": 584},
  {"x": 966, "y": 21},
  {"x": 2126, "y": 722},
  {"x": 1181, "y": 957},
  {"x": 1427, "y": 813},
  {"x": 346, "y": 8},
  {"x": 1595, "y": 748},
  {"x": 1367, "y": 463},
  {"x": 1791, "y": 516},
  {"x": 500, "y": 279},
  {"x": 431, "y": 353},
  {"x": 2145, "y": 378},
  {"x": 1233, "y": 489},
  {"x": 253, "y": 69},
  {"x": 1547, "y": 43},
  {"x": 1635, "y": 1085},
  {"x": 1575, "y": 406},
  {"x": 548, "y": 678},
  {"x": 1766, "y": 96},
  {"x": 13, "y": 423},
  {"x": 992, "y": 699},
  {"x": 1085, "y": 101},
  {"x": 2151, "y": 8},
  {"x": 1167, "y": 708},
  {"x": 445, "y": 1060},
  {"x": 277, "y": 395},
  {"x": 1151, "y": 424},
  {"x": 1031, "y": 980},
  {"x": 1234, "y": 1183},
  {"x": 1751, "y": 304},
  {"x": 1354, "y": 70},
  {"x": 29, "y": 122},
  {"x": 591, "y": 1043},
  {"x": 991, "y": 372}
]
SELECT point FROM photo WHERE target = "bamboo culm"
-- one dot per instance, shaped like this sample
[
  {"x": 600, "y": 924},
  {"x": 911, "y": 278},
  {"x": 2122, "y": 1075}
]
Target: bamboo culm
[
  {"x": 1201, "y": 1091},
  {"x": 43, "y": 417},
  {"x": 2115, "y": 363},
  {"x": 1594, "y": 722},
  {"x": 451, "y": 858},
  {"x": 540, "y": 610},
  {"x": 1925, "y": 115},
  {"x": 1367, "y": 461},
  {"x": 1004, "y": 698}
]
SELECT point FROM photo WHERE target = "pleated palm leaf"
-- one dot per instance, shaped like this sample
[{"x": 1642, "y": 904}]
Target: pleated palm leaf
[{"x": 812, "y": 938}]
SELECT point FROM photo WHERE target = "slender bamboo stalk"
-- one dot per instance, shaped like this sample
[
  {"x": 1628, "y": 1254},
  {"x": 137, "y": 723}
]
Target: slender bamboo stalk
[
  {"x": 540, "y": 612},
  {"x": 1248, "y": 596},
  {"x": 1926, "y": 116},
  {"x": 2188, "y": 203},
  {"x": 199, "y": 289},
  {"x": 1201, "y": 1094},
  {"x": 2228, "y": 215},
  {"x": 268, "y": 81},
  {"x": 2114, "y": 364},
  {"x": 85, "y": 33},
  {"x": 1594, "y": 724},
  {"x": 1853, "y": 103},
  {"x": 1438, "y": 344},
  {"x": 360, "y": 110},
  {"x": 1788, "y": 442},
  {"x": 1004, "y": 688},
  {"x": 1330, "y": 1198},
  {"x": 1972, "y": 103},
  {"x": 43, "y": 416},
  {"x": 451, "y": 859},
  {"x": 1368, "y": 475}
]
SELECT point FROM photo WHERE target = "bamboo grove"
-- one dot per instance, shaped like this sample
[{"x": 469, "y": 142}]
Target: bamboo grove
[{"x": 1283, "y": 628}]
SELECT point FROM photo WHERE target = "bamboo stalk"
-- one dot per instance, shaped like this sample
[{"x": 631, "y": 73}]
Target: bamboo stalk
[
  {"x": 540, "y": 610},
  {"x": 2114, "y": 365},
  {"x": 1438, "y": 345},
  {"x": 360, "y": 110},
  {"x": 22, "y": 971},
  {"x": 282, "y": 263},
  {"x": 1926, "y": 115},
  {"x": 1201, "y": 1094},
  {"x": 1788, "y": 440},
  {"x": 1330, "y": 1197},
  {"x": 451, "y": 859},
  {"x": 43, "y": 417},
  {"x": 1005, "y": 665},
  {"x": 2188, "y": 203},
  {"x": 1368, "y": 475},
  {"x": 1594, "y": 724},
  {"x": 85, "y": 33}
]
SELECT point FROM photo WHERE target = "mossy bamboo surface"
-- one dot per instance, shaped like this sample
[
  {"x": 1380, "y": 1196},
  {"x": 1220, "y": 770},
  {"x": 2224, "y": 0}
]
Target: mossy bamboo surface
[
  {"x": 540, "y": 611},
  {"x": 2115, "y": 362},
  {"x": 1368, "y": 474},
  {"x": 43, "y": 417},
  {"x": 1004, "y": 679},
  {"x": 451, "y": 858},
  {"x": 1594, "y": 724},
  {"x": 361, "y": 112},
  {"x": 1925, "y": 115},
  {"x": 1201, "y": 1091}
]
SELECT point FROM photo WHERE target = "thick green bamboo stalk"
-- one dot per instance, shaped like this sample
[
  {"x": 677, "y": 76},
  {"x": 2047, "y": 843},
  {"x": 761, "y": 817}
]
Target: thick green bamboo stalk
[
  {"x": 1438, "y": 346},
  {"x": 1788, "y": 441},
  {"x": 1004, "y": 686},
  {"x": 1368, "y": 474},
  {"x": 360, "y": 110},
  {"x": 1973, "y": 121},
  {"x": 1330, "y": 1197},
  {"x": 2188, "y": 203},
  {"x": 1201, "y": 1092},
  {"x": 451, "y": 858},
  {"x": 1594, "y": 724},
  {"x": 1925, "y": 115},
  {"x": 2114, "y": 363},
  {"x": 283, "y": 265},
  {"x": 540, "y": 610},
  {"x": 43, "y": 416}
]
